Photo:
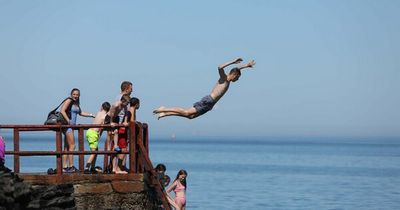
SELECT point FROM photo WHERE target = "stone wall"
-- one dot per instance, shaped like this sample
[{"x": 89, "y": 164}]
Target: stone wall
[
  {"x": 115, "y": 195},
  {"x": 15, "y": 194},
  {"x": 85, "y": 193}
]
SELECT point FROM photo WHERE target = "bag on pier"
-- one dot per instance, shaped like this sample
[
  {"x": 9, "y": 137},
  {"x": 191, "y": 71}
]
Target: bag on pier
[{"x": 54, "y": 117}]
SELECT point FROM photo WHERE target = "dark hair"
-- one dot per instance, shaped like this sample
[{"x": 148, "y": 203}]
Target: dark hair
[
  {"x": 161, "y": 167},
  {"x": 134, "y": 101},
  {"x": 106, "y": 106},
  {"x": 167, "y": 180},
  {"x": 125, "y": 98},
  {"x": 74, "y": 89},
  {"x": 180, "y": 173},
  {"x": 236, "y": 70},
  {"x": 77, "y": 101},
  {"x": 125, "y": 85}
]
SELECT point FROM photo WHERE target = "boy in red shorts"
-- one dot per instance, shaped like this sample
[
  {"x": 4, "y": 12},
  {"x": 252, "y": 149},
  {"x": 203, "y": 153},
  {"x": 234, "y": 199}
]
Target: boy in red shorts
[{"x": 130, "y": 116}]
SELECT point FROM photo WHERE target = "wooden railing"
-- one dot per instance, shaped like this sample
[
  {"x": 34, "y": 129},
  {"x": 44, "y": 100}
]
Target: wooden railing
[
  {"x": 138, "y": 151},
  {"x": 146, "y": 165}
]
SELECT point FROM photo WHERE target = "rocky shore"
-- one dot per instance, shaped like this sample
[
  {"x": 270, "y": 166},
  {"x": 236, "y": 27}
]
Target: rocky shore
[{"x": 15, "y": 194}]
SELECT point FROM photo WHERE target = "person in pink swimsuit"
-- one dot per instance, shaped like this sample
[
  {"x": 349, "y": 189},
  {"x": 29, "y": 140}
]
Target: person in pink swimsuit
[{"x": 179, "y": 187}]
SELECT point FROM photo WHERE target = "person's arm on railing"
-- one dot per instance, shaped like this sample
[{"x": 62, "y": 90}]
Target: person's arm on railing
[{"x": 170, "y": 199}]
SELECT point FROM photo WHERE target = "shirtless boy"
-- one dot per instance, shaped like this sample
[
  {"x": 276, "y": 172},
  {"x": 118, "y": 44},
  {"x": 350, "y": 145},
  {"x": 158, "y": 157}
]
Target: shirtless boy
[
  {"x": 93, "y": 136},
  {"x": 208, "y": 102},
  {"x": 130, "y": 116},
  {"x": 115, "y": 109}
]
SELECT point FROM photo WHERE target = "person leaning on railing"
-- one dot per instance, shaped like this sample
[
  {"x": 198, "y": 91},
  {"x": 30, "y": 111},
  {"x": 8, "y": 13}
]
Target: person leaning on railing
[
  {"x": 93, "y": 137},
  {"x": 130, "y": 117},
  {"x": 70, "y": 110}
]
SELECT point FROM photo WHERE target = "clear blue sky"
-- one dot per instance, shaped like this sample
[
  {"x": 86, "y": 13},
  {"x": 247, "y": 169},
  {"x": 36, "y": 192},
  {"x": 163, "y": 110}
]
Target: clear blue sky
[{"x": 324, "y": 68}]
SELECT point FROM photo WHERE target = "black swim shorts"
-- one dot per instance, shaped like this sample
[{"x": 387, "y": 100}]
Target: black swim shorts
[{"x": 204, "y": 105}]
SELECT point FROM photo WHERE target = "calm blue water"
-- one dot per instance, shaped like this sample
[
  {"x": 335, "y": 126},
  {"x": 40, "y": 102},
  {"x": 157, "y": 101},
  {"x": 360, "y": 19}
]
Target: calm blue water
[{"x": 273, "y": 173}]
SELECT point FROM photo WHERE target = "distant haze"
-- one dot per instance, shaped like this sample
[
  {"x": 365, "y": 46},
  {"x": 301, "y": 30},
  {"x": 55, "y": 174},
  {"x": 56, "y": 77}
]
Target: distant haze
[{"x": 324, "y": 68}]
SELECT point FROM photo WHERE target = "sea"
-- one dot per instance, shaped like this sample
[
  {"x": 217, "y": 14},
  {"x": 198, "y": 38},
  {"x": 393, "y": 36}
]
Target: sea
[{"x": 278, "y": 173}]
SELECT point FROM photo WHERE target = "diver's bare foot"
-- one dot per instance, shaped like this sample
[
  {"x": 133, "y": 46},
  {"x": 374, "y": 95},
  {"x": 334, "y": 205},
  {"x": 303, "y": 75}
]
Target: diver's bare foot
[
  {"x": 161, "y": 115},
  {"x": 160, "y": 109}
]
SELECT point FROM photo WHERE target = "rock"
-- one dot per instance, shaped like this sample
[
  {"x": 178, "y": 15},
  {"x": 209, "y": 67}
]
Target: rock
[{"x": 15, "y": 194}]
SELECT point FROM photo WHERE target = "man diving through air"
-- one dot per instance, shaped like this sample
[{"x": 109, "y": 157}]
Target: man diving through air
[{"x": 208, "y": 102}]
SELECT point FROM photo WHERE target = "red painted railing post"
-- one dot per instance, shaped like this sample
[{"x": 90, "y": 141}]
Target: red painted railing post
[
  {"x": 81, "y": 148},
  {"x": 140, "y": 158},
  {"x": 146, "y": 137},
  {"x": 106, "y": 148},
  {"x": 16, "y": 149},
  {"x": 59, "y": 149},
  {"x": 132, "y": 147}
]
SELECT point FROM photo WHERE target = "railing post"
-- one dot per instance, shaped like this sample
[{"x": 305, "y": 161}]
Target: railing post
[
  {"x": 59, "y": 149},
  {"x": 81, "y": 148},
  {"x": 140, "y": 158},
  {"x": 16, "y": 149},
  {"x": 153, "y": 176},
  {"x": 106, "y": 148},
  {"x": 132, "y": 148},
  {"x": 146, "y": 137}
]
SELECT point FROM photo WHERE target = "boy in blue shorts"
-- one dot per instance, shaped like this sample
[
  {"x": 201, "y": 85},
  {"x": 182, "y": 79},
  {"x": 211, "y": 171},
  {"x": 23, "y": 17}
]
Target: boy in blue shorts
[
  {"x": 208, "y": 102},
  {"x": 93, "y": 136}
]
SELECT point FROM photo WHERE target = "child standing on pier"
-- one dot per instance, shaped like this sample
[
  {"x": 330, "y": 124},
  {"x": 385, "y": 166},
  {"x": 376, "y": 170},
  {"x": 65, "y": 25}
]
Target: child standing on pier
[
  {"x": 130, "y": 116},
  {"x": 70, "y": 109},
  {"x": 115, "y": 119},
  {"x": 126, "y": 89},
  {"x": 93, "y": 136}
]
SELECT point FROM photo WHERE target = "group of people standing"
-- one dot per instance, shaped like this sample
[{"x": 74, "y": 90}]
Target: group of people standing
[{"x": 120, "y": 112}]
